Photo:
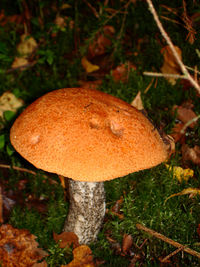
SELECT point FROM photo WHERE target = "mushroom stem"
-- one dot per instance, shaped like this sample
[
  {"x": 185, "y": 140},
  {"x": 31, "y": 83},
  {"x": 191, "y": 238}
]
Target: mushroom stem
[{"x": 86, "y": 211}]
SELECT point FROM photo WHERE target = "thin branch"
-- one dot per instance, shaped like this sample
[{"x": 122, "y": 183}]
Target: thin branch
[
  {"x": 192, "y": 69},
  {"x": 156, "y": 74},
  {"x": 189, "y": 123},
  {"x": 92, "y": 8},
  {"x": 149, "y": 86},
  {"x": 168, "y": 240},
  {"x": 169, "y": 42},
  {"x": 172, "y": 254},
  {"x": 17, "y": 168}
]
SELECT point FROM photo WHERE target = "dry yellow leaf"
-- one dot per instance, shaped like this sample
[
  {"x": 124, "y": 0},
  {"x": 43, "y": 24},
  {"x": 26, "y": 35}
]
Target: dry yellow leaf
[
  {"x": 170, "y": 66},
  {"x": 137, "y": 102},
  {"x": 19, "y": 62},
  {"x": 26, "y": 46},
  {"x": 180, "y": 173},
  {"x": 88, "y": 66},
  {"x": 9, "y": 101},
  {"x": 190, "y": 191}
]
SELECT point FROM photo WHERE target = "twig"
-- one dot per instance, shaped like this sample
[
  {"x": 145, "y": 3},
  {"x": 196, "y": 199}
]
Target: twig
[
  {"x": 189, "y": 123},
  {"x": 123, "y": 22},
  {"x": 172, "y": 254},
  {"x": 92, "y": 8},
  {"x": 168, "y": 240},
  {"x": 156, "y": 74},
  {"x": 17, "y": 168},
  {"x": 149, "y": 86},
  {"x": 169, "y": 42},
  {"x": 192, "y": 69},
  {"x": 117, "y": 12}
]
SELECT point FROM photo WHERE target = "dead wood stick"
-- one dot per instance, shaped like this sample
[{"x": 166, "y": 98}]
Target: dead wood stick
[
  {"x": 17, "y": 168},
  {"x": 168, "y": 240},
  {"x": 157, "y": 74},
  {"x": 172, "y": 254},
  {"x": 171, "y": 45},
  {"x": 189, "y": 123}
]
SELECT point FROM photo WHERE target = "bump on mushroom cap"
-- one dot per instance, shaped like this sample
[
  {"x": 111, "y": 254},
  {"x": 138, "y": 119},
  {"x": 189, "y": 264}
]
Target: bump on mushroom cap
[{"x": 86, "y": 135}]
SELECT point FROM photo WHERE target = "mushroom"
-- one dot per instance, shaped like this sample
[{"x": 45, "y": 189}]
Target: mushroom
[{"x": 88, "y": 137}]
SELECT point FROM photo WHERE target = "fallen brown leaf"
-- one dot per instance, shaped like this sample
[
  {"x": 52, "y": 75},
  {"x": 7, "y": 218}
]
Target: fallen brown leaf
[
  {"x": 18, "y": 247},
  {"x": 170, "y": 66},
  {"x": 176, "y": 133},
  {"x": 185, "y": 114},
  {"x": 66, "y": 239},
  {"x": 101, "y": 42},
  {"x": 121, "y": 72},
  {"x": 191, "y": 154},
  {"x": 127, "y": 243},
  {"x": 17, "y": 19},
  {"x": 61, "y": 22},
  {"x": 115, "y": 210},
  {"x": 82, "y": 257},
  {"x": 117, "y": 206}
]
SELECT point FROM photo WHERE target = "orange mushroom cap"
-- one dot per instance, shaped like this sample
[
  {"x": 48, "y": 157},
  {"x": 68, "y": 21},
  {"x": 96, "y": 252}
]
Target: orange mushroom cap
[{"x": 86, "y": 135}]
